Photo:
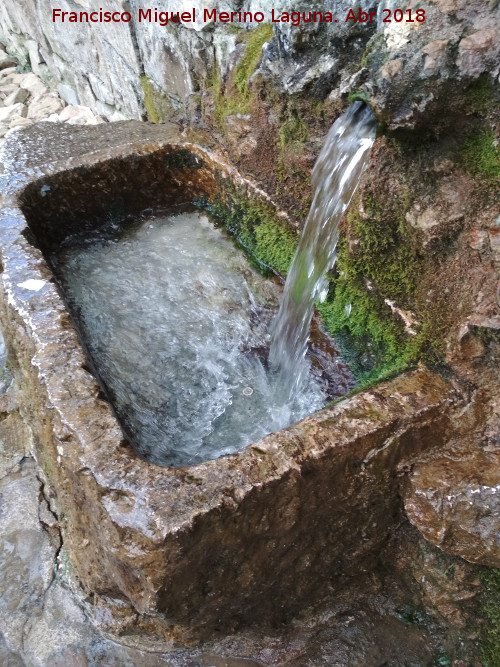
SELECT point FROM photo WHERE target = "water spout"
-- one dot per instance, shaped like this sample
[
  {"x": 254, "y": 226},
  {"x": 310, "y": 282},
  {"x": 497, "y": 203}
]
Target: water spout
[{"x": 335, "y": 178}]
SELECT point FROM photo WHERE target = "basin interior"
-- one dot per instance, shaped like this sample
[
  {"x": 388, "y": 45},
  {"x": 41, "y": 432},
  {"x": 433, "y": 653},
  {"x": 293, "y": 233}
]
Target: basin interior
[{"x": 173, "y": 318}]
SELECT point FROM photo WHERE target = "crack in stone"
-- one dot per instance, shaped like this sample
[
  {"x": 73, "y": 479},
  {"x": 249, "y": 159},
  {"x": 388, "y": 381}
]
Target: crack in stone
[{"x": 51, "y": 531}]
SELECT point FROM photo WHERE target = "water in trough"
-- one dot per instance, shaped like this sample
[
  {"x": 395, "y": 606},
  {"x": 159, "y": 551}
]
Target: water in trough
[{"x": 177, "y": 323}]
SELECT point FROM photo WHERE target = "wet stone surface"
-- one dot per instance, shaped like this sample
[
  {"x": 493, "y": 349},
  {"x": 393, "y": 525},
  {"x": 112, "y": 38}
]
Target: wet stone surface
[{"x": 45, "y": 623}]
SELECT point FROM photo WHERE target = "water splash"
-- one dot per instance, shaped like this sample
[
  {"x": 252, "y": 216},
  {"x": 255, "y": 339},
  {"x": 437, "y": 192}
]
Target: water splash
[
  {"x": 335, "y": 178},
  {"x": 177, "y": 324}
]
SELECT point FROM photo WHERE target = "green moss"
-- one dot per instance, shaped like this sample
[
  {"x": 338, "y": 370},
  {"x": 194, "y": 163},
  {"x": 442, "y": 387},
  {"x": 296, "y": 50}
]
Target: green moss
[
  {"x": 269, "y": 243},
  {"x": 490, "y": 608},
  {"x": 317, "y": 108},
  {"x": 293, "y": 130},
  {"x": 360, "y": 95},
  {"x": 381, "y": 264},
  {"x": 274, "y": 245},
  {"x": 253, "y": 52},
  {"x": 236, "y": 97},
  {"x": 373, "y": 342},
  {"x": 481, "y": 156},
  {"x": 480, "y": 96},
  {"x": 387, "y": 253},
  {"x": 227, "y": 102},
  {"x": 157, "y": 105}
]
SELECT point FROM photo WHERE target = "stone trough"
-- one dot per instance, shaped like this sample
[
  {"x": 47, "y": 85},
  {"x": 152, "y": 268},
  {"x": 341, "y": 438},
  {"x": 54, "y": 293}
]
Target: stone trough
[{"x": 186, "y": 553}]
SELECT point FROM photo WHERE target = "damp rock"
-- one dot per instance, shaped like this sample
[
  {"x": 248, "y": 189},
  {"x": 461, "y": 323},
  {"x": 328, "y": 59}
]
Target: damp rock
[{"x": 456, "y": 506}]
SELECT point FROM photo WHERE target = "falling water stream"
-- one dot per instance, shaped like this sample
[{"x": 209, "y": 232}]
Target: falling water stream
[{"x": 335, "y": 178}]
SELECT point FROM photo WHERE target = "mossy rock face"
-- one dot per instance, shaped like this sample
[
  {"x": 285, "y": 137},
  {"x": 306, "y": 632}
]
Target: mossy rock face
[
  {"x": 158, "y": 107},
  {"x": 481, "y": 155},
  {"x": 270, "y": 244},
  {"x": 490, "y": 607},
  {"x": 377, "y": 263},
  {"x": 235, "y": 95}
]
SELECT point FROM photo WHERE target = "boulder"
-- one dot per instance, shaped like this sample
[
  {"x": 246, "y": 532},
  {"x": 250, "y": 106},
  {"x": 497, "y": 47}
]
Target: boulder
[
  {"x": 7, "y": 113},
  {"x": 78, "y": 115},
  {"x": 455, "y": 504},
  {"x": 44, "y": 106},
  {"x": 18, "y": 96},
  {"x": 32, "y": 83}
]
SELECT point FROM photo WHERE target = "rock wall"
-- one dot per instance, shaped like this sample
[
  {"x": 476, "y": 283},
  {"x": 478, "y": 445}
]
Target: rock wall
[
  {"x": 401, "y": 65},
  {"x": 94, "y": 65}
]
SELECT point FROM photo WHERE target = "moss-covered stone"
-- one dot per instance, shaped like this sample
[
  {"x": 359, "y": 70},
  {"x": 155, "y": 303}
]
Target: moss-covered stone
[
  {"x": 377, "y": 261},
  {"x": 358, "y": 95},
  {"x": 290, "y": 169},
  {"x": 157, "y": 105},
  {"x": 490, "y": 607},
  {"x": 269, "y": 243},
  {"x": 293, "y": 130},
  {"x": 255, "y": 40},
  {"x": 236, "y": 96},
  {"x": 481, "y": 97},
  {"x": 374, "y": 52},
  {"x": 481, "y": 155}
]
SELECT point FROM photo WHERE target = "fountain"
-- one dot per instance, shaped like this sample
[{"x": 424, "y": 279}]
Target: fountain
[
  {"x": 335, "y": 178},
  {"x": 249, "y": 539},
  {"x": 175, "y": 322}
]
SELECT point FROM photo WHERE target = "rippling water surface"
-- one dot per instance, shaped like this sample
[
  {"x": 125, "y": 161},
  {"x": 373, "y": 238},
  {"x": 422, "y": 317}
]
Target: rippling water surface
[{"x": 177, "y": 324}]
